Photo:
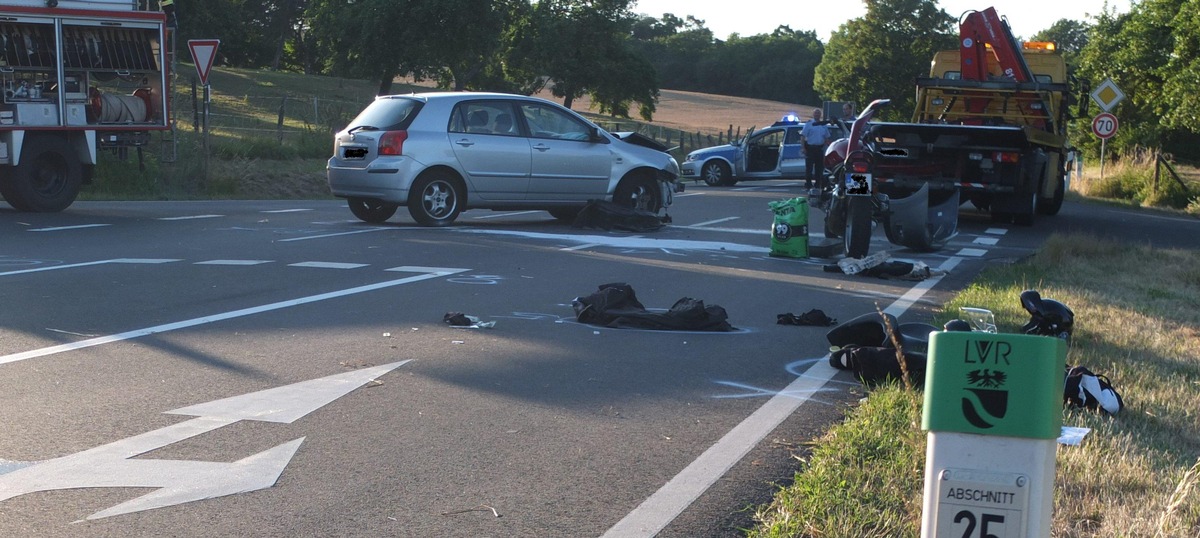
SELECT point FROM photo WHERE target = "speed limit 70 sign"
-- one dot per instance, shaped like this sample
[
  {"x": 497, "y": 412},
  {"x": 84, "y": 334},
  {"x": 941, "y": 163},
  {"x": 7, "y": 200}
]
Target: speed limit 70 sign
[{"x": 1104, "y": 125}]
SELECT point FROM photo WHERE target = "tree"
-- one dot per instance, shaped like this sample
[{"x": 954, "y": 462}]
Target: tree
[
  {"x": 879, "y": 55},
  {"x": 1069, "y": 37},
  {"x": 1139, "y": 51},
  {"x": 583, "y": 47}
]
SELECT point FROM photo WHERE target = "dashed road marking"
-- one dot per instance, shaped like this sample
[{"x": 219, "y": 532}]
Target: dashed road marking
[
  {"x": 329, "y": 265},
  {"x": 285, "y": 210},
  {"x": 233, "y": 262}
]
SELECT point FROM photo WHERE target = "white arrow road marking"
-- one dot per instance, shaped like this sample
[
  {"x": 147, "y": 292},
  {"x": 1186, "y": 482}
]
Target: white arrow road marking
[{"x": 181, "y": 481}]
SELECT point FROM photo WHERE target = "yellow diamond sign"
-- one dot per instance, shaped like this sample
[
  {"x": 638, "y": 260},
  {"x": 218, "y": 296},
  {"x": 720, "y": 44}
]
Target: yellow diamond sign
[{"x": 1107, "y": 95}]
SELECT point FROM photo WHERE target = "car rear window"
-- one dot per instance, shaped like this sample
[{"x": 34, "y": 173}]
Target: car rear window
[{"x": 388, "y": 114}]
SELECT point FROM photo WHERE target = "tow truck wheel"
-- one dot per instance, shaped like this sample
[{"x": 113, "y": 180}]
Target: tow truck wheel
[
  {"x": 1050, "y": 206},
  {"x": 48, "y": 178},
  {"x": 858, "y": 226},
  {"x": 716, "y": 174}
]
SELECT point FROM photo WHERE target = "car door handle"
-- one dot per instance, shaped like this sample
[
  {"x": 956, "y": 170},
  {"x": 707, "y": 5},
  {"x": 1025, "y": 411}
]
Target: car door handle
[
  {"x": 541, "y": 147},
  {"x": 465, "y": 142}
]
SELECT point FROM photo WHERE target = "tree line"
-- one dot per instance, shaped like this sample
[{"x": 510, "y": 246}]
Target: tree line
[{"x": 620, "y": 59}]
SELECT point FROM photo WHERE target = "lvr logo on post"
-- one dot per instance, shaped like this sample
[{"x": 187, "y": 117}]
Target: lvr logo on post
[{"x": 986, "y": 401}]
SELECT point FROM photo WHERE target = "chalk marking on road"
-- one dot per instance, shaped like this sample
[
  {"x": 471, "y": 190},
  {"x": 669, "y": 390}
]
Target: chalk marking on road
[
  {"x": 180, "y": 481},
  {"x": 62, "y": 228},
  {"x": 191, "y": 217},
  {"x": 656, "y": 512},
  {"x": 323, "y": 236},
  {"x": 87, "y": 264},
  {"x": 710, "y": 222},
  {"x": 137, "y": 333}
]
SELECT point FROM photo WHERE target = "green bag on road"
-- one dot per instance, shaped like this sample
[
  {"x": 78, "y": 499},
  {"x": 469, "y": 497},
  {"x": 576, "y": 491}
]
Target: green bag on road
[{"x": 789, "y": 235}]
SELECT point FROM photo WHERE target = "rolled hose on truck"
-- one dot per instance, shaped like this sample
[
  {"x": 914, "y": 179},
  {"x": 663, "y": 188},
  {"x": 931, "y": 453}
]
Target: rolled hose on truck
[{"x": 108, "y": 108}]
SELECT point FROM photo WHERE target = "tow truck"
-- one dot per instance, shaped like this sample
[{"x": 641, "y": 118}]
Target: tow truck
[{"x": 990, "y": 127}]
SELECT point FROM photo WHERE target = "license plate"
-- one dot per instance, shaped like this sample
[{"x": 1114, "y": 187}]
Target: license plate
[
  {"x": 858, "y": 183},
  {"x": 354, "y": 153}
]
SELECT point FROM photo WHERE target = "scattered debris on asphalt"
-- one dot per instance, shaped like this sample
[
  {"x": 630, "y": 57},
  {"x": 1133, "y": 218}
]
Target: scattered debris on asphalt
[
  {"x": 616, "y": 305},
  {"x": 458, "y": 319},
  {"x": 813, "y": 317}
]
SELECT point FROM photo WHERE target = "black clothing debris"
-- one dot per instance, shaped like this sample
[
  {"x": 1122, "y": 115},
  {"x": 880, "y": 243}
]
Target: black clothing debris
[
  {"x": 615, "y": 305},
  {"x": 878, "y": 364},
  {"x": 457, "y": 319},
  {"x": 812, "y": 317},
  {"x": 609, "y": 216}
]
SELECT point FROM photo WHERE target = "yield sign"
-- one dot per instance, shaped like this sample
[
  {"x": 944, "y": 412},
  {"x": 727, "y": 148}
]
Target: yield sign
[{"x": 203, "y": 53}]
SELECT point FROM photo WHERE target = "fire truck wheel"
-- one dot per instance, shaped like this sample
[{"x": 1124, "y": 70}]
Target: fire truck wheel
[
  {"x": 48, "y": 178},
  {"x": 10, "y": 196}
]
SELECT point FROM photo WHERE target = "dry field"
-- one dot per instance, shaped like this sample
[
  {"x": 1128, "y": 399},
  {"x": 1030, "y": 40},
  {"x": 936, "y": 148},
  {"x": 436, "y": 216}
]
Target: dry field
[{"x": 707, "y": 113}]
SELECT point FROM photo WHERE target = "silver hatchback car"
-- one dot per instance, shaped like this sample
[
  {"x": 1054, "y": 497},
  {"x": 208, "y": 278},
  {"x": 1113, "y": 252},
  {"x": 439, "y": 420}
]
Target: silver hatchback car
[{"x": 442, "y": 153}]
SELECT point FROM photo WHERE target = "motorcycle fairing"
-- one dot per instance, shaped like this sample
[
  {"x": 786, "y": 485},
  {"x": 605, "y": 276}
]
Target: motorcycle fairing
[{"x": 912, "y": 223}]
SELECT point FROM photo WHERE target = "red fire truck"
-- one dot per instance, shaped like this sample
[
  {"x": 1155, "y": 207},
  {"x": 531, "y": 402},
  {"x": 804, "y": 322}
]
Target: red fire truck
[{"x": 78, "y": 77}]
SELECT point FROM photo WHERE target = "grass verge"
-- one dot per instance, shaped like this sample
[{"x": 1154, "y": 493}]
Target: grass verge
[{"x": 1137, "y": 312}]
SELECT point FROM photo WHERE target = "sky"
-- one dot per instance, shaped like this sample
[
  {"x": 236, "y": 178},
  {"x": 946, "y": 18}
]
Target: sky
[{"x": 752, "y": 17}]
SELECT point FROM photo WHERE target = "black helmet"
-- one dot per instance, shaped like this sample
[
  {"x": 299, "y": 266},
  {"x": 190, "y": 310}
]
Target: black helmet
[
  {"x": 1047, "y": 316},
  {"x": 957, "y": 325}
]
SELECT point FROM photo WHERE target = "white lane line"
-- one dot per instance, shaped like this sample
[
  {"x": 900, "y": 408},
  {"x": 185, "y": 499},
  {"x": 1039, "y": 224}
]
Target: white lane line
[
  {"x": 580, "y": 247},
  {"x": 718, "y": 221},
  {"x": 191, "y": 217},
  {"x": 328, "y": 265},
  {"x": 989, "y": 241},
  {"x": 636, "y": 242},
  {"x": 766, "y": 230},
  {"x": 233, "y": 262},
  {"x": 502, "y": 215},
  {"x": 996, "y": 231},
  {"x": 136, "y": 333},
  {"x": 971, "y": 252},
  {"x": 86, "y": 264},
  {"x": 322, "y": 236},
  {"x": 688, "y": 194},
  {"x": 656, "y": 512},
  {"x": 61, "y": 228},
  {"x": 285, "y": 210}
]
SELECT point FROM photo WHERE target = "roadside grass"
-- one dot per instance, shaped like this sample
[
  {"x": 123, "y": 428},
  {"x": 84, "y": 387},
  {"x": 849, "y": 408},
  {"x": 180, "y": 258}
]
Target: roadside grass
[
  {"x": 1131, "y": 181},
  {"x": 1137, "y": 312}
]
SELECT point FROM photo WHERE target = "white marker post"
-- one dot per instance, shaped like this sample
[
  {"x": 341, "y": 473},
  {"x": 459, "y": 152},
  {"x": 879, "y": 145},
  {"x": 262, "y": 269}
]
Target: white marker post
[{"x": 993, "y": 410}]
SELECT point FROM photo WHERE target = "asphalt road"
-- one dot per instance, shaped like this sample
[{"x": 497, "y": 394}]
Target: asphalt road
[{"x": 281, "y": 369}]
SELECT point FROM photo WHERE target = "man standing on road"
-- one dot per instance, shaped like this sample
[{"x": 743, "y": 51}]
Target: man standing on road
[{"x": 815, "y": 136}]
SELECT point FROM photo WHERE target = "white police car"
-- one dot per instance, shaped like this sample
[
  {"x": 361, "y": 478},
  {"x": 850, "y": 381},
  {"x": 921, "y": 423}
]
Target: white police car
[{"x": 775, "y": 152}]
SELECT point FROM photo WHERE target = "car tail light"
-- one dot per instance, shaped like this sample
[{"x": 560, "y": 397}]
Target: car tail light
[
  {"x": 392, "y": 143},
  {"x": 1006, "y": 157},
  {"x": 859, "y": 167}
]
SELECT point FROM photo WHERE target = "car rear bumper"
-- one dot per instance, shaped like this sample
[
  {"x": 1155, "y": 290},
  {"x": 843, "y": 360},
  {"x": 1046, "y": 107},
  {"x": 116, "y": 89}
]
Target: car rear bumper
[{"x": 388, "y": 181}]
